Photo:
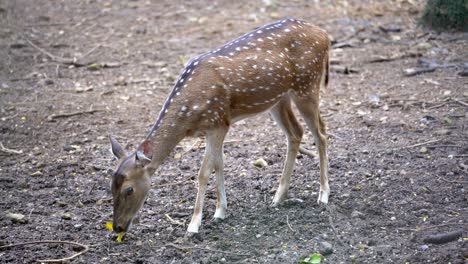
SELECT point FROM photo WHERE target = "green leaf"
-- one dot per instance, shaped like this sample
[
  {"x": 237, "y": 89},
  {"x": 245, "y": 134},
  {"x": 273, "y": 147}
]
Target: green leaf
[{"x": 313, "y": 259}]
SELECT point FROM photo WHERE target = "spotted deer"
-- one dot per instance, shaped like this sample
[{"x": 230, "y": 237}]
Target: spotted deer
[{"x": 266, "y": 69}]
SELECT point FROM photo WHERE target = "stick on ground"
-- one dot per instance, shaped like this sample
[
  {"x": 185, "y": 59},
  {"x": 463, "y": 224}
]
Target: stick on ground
[
  {"x": 85, "y": 249},
  {"x": 51, "y": 117},
  {"x": 9, "y": 151},
  {"x": 207, "y": 249}
]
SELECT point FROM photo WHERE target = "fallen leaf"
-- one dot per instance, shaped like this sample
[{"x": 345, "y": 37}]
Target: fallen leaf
[{"x": 109, "y": 226}]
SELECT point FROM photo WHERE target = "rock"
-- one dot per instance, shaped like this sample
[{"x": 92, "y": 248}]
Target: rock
[
  {"x": 66, "y": 216},
  {"x": 326, "y": 248},
  {"x": 36, "y": 173},
  {"x": 357, "y": 214},
  {"x": 17, "y": 218},
  {"x": 260, "y": 163}
]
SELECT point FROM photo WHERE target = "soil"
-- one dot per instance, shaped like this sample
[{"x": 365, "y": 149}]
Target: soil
[{"x": 398, "y": 144}]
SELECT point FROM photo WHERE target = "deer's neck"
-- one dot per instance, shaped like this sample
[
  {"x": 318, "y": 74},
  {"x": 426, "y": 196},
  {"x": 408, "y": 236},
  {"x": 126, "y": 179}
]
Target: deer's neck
[{"x": 160, "y": 142}]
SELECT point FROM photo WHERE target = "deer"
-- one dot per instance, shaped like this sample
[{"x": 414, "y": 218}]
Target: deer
[{"x": 267, "y": 69}]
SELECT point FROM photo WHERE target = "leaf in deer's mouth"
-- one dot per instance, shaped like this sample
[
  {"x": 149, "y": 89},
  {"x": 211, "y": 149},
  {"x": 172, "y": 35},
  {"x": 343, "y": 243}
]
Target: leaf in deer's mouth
[
  {"x": 120, "y": 236},
  {"x": 110, "y": 227}
]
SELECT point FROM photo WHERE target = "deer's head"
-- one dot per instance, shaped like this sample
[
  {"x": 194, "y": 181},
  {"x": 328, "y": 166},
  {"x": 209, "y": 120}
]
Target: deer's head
[{"x": 130, "y": 185}]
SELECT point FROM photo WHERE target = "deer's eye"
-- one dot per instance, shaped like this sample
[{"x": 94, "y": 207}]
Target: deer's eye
[{"x": 129, "y": 190}]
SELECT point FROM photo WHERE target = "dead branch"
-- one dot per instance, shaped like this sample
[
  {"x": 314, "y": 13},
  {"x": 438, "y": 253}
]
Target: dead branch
[
  {"x": 174, "y": 221},
  {"x": 443, "y": 238},
  {"x": 54, "y": 57},
  {"x": 307, "y": 152},
  {"x": 442, "y": 179},
  {"x": 85, "y": 249},
  {"x": 415, "y": 71},
  {"x": 287, "y": 222},
  {"x": 67, "y": 61},
  {"x": 393, "y": 58},
  {"x": 430, "y": 227},
  {"x": 207, "y": 249},
  {"x": 54, "y": 116},
  {"x": 460, "y": 102},
  {"x": 174, "y": 183},
  {"x": 417, "y": 145},
  {"x": 9, "y": 151},
  {"x": 330, "y": 221}
]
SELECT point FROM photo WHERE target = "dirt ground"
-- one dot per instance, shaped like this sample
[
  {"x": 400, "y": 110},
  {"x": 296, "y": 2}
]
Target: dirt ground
[{"x": 71, "y": 72}]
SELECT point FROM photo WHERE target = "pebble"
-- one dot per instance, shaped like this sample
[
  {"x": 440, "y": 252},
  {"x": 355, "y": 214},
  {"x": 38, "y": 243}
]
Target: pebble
[
  {"x": 66, "y": 216},
  {"x": 260, "y": 163},
  {"x": 17, "y": 218},
  {"x": 326, "y": 248},
  {"x": 357, "y": 214}
]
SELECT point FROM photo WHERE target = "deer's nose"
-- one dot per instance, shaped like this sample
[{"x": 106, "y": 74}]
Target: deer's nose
[{"x": 118, "y": 228}]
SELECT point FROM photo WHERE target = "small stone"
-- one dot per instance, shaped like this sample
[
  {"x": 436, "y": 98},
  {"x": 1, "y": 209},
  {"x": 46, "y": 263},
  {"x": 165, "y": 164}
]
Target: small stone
[
  {"x": 66, "y": 216},
  {"x": 357, "y": 214},
  {"x": 260, "y": 163},
  {"x": 258, "y": 236},
  {"x": 424, "y": 247},
  {"x": 17, "y": 218},
  {"x": 36, "y": 173},
  {"x": 326, "y": 248},
  {"x": 139, "y": 243},
  {"x": 423, "y": 150}
]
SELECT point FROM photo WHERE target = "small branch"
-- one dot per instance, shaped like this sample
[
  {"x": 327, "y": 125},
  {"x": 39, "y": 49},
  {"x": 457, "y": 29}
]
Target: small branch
[
  {"x": 461, "y": 182},
  {"x": 430, "y": 227},
  {"x": 174, "y": 183},
  {"x": 307, "y": 152},
  {"x": 443, "y": 238},
  {"x": 460, "y": 102},
  {"x": 417, "y": 145},
  {"x": 85, "y": 249},
  {"x": 9, "y": 151},
  {"x": 51, "y": 117},
  {"x": 207, "y": 249},
  {"x": 174, "y": 221},
  {"x": 287, "y": 222},
  {"x": 52, "y": 56},
  {"x": 330, "y": 220}
]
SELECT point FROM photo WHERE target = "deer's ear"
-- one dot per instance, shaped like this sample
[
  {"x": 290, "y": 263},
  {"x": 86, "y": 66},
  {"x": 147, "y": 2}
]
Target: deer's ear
[
  {"x": 116, "y": 149},
  {"x": 141, "y": 158}
]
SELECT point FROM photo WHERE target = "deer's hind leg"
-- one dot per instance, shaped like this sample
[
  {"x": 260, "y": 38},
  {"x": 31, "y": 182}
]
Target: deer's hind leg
[
  {"x": 308, "y": 106},
  {"x": 284, "y": 116}
]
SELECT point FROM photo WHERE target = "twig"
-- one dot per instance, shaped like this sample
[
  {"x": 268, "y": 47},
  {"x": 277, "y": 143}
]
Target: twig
[
  {"x": 443, "y": 238},
  {"x": 460, "y": 102},
  {"x": 460, "y": 156},
  {"x": 207, "y": 249},
  {"x": 430, "y": 227},
  {"x": 287, "y": 222},
  {"x": 173, "y": 221},
  {"x": 417, "y": 145},
  {"x": 436, "y": 106},
  {"x": 175, "y": 183},
  {"x": 307, "y": 152},
  {"x": 54, "y": 57},
  {"x": 330, "y": 221},
  {"x": 461, "y": 182},
  {"x": 9, "y": 151},
  {"x": 73, "y": 114},
  {"x": 86, "y": 248}
]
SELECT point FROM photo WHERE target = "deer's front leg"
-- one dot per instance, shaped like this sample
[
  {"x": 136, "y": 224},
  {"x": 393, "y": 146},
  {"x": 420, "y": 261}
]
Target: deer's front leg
[
  {"x": 213, "y": 159},
  {"x": 221, "y": 201}
]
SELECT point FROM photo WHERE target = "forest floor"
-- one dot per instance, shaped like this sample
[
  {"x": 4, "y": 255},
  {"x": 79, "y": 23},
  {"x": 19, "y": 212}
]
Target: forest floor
[{"x": 71, "y": 72}]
